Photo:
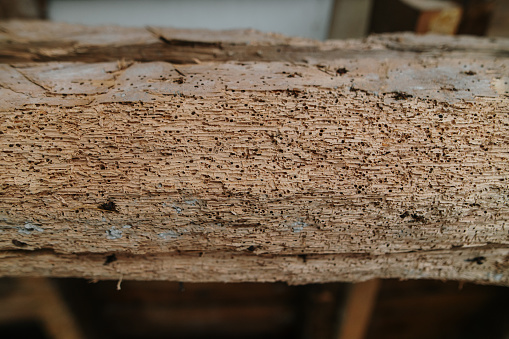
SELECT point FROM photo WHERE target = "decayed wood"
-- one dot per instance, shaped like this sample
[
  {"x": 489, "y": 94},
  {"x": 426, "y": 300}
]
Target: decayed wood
[{"x": 255, "y": 158}]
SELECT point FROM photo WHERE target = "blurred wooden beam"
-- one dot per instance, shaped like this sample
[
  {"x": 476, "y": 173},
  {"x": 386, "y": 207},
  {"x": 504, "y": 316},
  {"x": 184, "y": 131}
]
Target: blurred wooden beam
[
  {"x": 350, "y": 19},
  {"x": 358, "y": 309},
  {"x": 441, "y": 17},
  {"x": 419, "y": 16},
  {"x": 499, "y": 23},
  {"x": 38, "y": 299},
  {"x": 22, "y": 9},
  {"x": 476, "y": 18},
  {"x": 320, "y": 310}
]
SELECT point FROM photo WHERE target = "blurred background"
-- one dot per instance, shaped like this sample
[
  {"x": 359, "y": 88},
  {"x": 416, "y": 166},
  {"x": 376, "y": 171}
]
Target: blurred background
[
  {"x": 388, "y": 309},
  {"x": 77, "y": 308},
  {"x": 317, "y": 19}
]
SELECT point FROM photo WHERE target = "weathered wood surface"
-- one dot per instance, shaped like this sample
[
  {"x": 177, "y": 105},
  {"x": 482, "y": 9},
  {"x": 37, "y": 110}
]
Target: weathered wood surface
[{"x": 242, "y": 156}]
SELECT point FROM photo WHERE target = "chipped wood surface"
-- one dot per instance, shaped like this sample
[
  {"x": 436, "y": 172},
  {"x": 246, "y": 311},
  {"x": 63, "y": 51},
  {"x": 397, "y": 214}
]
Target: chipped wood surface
[{"x": 241, "y": 156}]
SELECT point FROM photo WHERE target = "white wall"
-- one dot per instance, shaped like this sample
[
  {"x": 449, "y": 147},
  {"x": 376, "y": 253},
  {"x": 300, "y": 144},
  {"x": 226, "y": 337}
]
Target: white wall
[{"x": 306, "y": 18}]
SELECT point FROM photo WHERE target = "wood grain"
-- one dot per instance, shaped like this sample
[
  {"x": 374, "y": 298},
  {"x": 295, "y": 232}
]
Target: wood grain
[{"x": 256, "y": 158}]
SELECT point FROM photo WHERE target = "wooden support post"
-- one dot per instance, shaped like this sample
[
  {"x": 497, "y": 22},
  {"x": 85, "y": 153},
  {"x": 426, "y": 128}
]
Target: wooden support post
[
  {"x": 22, "y": 9},
  {"x": 37, "y": 299},
  {"x": 358, "y": 309},
  {"x": 420, "y": 16},
  {"x": 499, "y": 25},
  {"x": 242, "y": 156},
  {"x": 350, "y": 19}
]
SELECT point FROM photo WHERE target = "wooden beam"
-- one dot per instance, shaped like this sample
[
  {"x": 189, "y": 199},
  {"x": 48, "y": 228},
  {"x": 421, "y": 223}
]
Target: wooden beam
[
  {"x": 257, "y": 158},
  {"x": 476, "y": 17},
  {"x": 439, "y": 17},
  {"x": 319, "y": 310},
  {"x": 358, "y": 309},
  {"x": 350, "y": 19},
  {"x": 498, "y": 25},
  {"x": 419, "y": 16},
  {"x": 22, "y": 9},
  {"x": 37, "y": 299}
]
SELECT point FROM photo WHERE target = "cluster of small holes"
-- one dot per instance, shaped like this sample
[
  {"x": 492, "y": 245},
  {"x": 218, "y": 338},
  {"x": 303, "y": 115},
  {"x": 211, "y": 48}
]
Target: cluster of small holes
[{"x": 341, "y": 161}]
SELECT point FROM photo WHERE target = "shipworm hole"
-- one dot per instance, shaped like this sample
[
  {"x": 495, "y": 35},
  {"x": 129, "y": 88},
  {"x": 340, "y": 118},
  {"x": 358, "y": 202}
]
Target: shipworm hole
[
  {"x": 478, "y": 260},
  {"x": 19, "y": 243},
  {"x": 110, "y": 258},
  {"x": 401, "y": 95},
  {"x": 341, "y": 71},
  {"x": 108, "y": 206}
]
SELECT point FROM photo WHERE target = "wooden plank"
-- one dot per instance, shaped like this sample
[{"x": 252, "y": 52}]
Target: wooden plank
[{"x": 382, "y": 158}]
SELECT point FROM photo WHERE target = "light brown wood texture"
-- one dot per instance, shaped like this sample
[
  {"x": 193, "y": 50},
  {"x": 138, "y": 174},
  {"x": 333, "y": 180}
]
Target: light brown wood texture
[
  {"x": 358, "y": 309},
  {"x": 243, "y": 156}
]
